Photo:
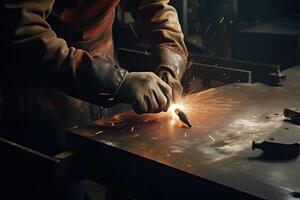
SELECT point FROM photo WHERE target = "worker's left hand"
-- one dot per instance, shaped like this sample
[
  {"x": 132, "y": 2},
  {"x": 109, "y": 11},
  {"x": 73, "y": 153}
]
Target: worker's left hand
[
  {"x": 170, "y": 67},
  {"x": 173, "y": 83}
]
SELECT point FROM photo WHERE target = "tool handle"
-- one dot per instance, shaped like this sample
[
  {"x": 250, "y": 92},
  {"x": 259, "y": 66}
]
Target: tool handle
[{"x": 290, "y": 112}]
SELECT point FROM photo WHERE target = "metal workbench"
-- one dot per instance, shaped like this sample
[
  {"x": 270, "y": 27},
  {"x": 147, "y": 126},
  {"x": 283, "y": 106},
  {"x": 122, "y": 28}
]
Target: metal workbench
[{"x": 158, "y": 161}]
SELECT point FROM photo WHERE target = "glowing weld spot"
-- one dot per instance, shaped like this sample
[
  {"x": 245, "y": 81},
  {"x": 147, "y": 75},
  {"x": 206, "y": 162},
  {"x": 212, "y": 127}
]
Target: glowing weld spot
[{"x": 173, "y": 122}]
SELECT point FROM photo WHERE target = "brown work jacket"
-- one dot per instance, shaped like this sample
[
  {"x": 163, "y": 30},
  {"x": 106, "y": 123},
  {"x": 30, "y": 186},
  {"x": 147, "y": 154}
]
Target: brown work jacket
[{"x": 52, "y": 50}]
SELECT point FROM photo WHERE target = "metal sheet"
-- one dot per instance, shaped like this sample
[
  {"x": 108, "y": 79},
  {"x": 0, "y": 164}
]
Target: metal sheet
[{"x": 218, "y": 147}]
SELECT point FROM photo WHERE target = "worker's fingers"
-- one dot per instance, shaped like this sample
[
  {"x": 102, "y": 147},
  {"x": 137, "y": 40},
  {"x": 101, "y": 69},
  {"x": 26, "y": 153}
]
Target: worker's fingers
[
  {"x": 148, "y": 103},
  {"x": 165, "y": 77},
  {"x": 139, "y": 105},
  {"x": 176, "y": 91},
  {"x": 168, "y": 103},
  {"x": 161, "y": 100},
  {"x": 167, "y": 91},
  {"x": 152, "y": 103}
]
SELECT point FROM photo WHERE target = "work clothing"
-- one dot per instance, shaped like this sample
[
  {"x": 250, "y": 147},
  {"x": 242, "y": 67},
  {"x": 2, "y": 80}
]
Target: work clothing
[
  {"x": 54, "y": 53},
  {"x": 66, "y": 47},
  {"x": 60, "y": 64}
]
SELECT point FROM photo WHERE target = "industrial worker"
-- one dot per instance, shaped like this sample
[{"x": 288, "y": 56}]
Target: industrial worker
[{"x": 58, "y": 66}]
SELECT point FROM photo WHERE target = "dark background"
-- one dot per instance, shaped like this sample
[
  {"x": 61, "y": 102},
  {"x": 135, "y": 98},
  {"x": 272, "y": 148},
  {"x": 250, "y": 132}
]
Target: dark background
[{"x": 229, "y": 28}]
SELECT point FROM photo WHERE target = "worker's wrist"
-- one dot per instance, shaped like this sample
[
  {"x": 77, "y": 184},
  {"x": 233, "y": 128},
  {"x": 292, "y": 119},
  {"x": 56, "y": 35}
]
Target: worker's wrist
[
  {"x": 162, "y": 70},
  {"x": 108, "y": 77},
  {"x": 171, "y": 62}
]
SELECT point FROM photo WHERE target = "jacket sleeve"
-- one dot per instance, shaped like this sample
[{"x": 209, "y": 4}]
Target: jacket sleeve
[
  {"x": 162, "y": 26},
  {"x": 38, "y": 55}
]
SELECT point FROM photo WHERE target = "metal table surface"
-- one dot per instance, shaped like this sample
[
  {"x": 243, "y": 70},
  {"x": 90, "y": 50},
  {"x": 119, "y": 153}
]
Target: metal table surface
[{"x": 216, "y": 150}]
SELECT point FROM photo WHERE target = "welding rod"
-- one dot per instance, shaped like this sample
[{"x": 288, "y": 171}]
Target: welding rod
[{"x": 183, "y": 117}]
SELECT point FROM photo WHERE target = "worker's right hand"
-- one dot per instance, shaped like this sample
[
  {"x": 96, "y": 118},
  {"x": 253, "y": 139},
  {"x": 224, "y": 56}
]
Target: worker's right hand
[{"x": 146, "y": 92}]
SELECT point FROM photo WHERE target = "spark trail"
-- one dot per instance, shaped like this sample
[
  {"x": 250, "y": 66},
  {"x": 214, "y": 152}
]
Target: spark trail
[{"x": 197, "y": 106}]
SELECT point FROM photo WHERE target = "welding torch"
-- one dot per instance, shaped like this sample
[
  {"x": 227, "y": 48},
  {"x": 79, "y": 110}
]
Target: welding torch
[{"x": 183, "y": 117}]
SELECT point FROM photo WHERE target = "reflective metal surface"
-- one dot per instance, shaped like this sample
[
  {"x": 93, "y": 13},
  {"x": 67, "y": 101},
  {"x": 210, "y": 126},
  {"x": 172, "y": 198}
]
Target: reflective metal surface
[{"x": 218, "y": 146}]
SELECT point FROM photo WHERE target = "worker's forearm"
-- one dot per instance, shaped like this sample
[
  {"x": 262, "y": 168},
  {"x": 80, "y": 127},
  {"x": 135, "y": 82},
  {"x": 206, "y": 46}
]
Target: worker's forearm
[
  {"x": 163, "y": 27},
  {"x": 162, "y": 23},
  {"x": 42, "y": 56}
]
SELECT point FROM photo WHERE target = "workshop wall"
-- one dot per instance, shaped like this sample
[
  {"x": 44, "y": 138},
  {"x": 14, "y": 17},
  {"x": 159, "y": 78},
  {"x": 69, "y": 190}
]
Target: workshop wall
[{"x": 213, "y": 27}]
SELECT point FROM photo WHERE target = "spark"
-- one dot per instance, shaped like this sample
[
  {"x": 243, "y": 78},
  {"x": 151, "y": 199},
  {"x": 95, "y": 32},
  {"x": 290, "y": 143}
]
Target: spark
[
  {"x": 132, "y": 129},
  {"x": 99, "y": 132},
  {"x": 200, "y": 105},
  {"x": 197, "y": 106},
  {"x": 173, "y": 122},
  {"x": 208, "y": 27},
  {"x": 135, "y": 135},
  {"x": 197, "y": 28},
  {"x": 222, "y": 20},
  {"x": 146, "y": 52},
  {"x": 213, "y": 139},
  {"x": 133, "y": 30}
]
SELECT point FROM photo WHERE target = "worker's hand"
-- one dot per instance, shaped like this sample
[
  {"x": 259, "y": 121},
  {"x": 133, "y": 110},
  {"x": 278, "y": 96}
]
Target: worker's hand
[
  {"x": 146, "y": 92},
  {"x": 173, "y": 83}
]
